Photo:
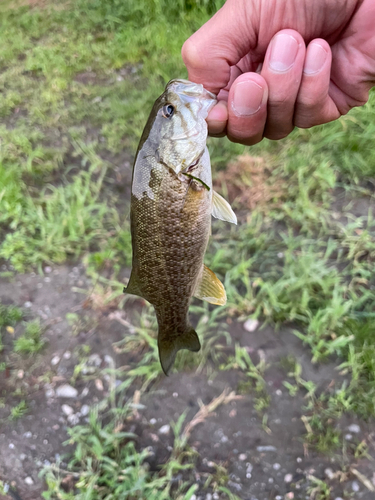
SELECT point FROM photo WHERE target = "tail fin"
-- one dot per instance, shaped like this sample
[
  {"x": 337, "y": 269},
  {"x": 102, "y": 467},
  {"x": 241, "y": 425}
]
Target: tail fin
[{"x": 168, "y": 347}]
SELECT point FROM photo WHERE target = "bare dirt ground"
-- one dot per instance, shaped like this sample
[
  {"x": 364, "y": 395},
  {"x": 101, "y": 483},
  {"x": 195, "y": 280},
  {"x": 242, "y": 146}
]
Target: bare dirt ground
[{"x": 265, "y": 460}]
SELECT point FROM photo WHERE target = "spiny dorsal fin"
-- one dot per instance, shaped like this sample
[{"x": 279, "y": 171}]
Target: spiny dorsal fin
[
  {"x": 169, "y": 346},
  {"x": 210, "y": 288},
  {"x": 221, "y": 209},
  {"x": 132, "y": 287}
]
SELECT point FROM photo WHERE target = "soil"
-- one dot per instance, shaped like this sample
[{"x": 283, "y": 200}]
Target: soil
[{"x": 263, "y": 461}]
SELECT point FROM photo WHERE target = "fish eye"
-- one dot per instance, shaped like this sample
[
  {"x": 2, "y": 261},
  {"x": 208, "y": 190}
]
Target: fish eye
[{"x": 168, "y": 111}]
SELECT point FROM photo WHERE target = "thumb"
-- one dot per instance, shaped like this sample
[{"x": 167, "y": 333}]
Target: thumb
[{"x": 219, "y": 44}]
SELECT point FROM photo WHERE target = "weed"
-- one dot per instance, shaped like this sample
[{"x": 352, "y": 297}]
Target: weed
[
  {"x": 30, "y": 342},
  {"x": 18, "y": 411}
]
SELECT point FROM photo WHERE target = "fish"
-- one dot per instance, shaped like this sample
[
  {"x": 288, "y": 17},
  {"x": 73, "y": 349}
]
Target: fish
[{"x": 172, "y": 201}]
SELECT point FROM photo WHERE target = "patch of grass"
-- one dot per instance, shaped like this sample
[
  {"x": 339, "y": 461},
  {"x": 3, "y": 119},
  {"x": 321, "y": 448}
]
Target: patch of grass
[
  {"x": 31, "y": 341},
  {"x": 18, "y": 411}
]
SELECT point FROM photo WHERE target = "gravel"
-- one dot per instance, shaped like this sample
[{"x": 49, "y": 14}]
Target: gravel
[{"x": 66, "y": 391}]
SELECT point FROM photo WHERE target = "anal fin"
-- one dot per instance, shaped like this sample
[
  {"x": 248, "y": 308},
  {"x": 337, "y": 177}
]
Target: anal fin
[
  {"x": 210, "y": 288},
  {"x": 133, "y": 287}
]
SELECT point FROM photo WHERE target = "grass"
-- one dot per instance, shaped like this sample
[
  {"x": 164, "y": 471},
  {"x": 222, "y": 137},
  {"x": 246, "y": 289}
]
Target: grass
[{"x": 76, "y": 85}]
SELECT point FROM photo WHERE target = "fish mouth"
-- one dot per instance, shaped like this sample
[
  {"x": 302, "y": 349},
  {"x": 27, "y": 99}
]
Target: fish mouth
[{"x": 189, "y": 91}]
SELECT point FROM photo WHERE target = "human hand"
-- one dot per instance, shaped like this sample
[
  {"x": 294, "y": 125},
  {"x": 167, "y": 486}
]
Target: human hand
[{"x": 317, "y": 60}]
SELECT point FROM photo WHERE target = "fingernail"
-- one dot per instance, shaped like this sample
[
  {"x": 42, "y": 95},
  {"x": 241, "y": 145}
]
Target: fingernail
[
  {"x": 247, "y": 98},
  {"x": 283, "y": 52},
  {"x": 315, "y": 58}
]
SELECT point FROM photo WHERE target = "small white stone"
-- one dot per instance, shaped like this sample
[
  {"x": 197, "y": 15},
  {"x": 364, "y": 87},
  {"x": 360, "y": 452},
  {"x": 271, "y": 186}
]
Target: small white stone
[
  {"x": 339, "y": 498},
  {"x": 67, "y": 355},
  {"x": 67, "y": 410},
  {"x": 242, "y": 457},
  {"x": 45, "y": 441},
  {"x": 23, "y": 456},
  {"x": 27, "y": 304},
  {"x": 354, "y": 428},
  {"x": 299, "y": 460},
  {"x": 27, "y": 434},
  {"x": 48, "y": 269},
  {"x": 175, "y": 394},
  {"x": 355, "y": 486},
  {"x": 280, "y": 255},
  {"x": 251, "y": 325},
  {"x": 266, "y": 448},
  {"x": 164, "y": 429},
  {"x": 276, "y": 466},
  {"x": 329, "y": 473},
  {"x": 153, "y": 421},
  {"x": 49, "y": 393},
  {"x": 224, "y": 439},
  {"x": 208, "y": 496},
  {"x": 288, "y": 478},
  {"x": 11, "y": 446},
  {"x": 66, "y": 391},
  {"x": 55, "y": 360},
  {"x": 278, "y": 497},
  {"x": 47, "y": 279},
  {"x": 85, "y": 410},
  {"x": 348, "y": 436},
  {"x": 74, "y": 419},
  {"x": 29, "y": 481},
  {"x": 84, "y": 392},
  {"x": 279, "y": 392}
]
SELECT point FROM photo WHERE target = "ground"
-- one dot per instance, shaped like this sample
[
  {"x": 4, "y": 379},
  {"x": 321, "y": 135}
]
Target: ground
[{"x": 280, "y": 402}]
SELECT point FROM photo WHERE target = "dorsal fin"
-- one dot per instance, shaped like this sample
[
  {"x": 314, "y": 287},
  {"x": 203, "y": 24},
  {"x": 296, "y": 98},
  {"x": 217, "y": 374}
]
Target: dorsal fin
[
  {"x": 221, "y": 209},
  {"x": 210, "y": 288}
]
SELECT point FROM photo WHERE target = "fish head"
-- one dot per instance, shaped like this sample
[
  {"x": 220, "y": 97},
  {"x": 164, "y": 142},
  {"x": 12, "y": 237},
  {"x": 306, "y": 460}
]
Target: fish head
[{"x": 181, "y": 120}]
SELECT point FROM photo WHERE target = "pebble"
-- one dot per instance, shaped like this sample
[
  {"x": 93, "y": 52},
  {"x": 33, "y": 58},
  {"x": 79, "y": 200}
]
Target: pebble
[
  {"x": 84, "y": 392},
  {"x": 47, "y": 279},
  {"x": 66, "y": 391},
  {"x": 348, "y": 437},
  {"x": 74, "y": 419},
  {"x": 288, "y": 478},
  {"x": 23, "y": 456},
  {"x": 329, "y": 473},
  {"x": 208, "y": 496},
  {"x": 67, "y": 410},
  {"x": 355, "y": 486},
  {"x": 49, "y": 393},
  {"x": 99, "y": 384},
  {"x": 153, "y": 421},
  {"x": 27, "y": 304},
  {"x": 67, "y": 355},
  {"x": 224, "y": 439},
  {"x": 29, "y": 481},
  {"x": 339, "y": 498},
  {"x": 242, "y": 457},
  {"x": 278, "y": 497},
  {"x": 251, "y": 325},
  {"x": 354, "y": 428},
  {"x": 266, "y": 448},
  {"x": 289, "y": 495},
  {"x": 175, "y": 394},
  {"x": 276, "y": 466},
  {"x": 279, "y": 392},
  {"x": 85, "y": 410},
  {"x": 164, "y": 429},
  {"x": 55, "y": 360},
  {"x": 11, "y": 446},
  {"x": 48, "y": 269},
  {"x": 280, "y": 255},
  {"x": 27, "y": 434}
]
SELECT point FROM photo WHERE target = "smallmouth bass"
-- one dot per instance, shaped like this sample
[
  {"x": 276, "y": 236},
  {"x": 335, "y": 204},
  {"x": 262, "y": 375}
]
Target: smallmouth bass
[{"x": 172, "y": 202}]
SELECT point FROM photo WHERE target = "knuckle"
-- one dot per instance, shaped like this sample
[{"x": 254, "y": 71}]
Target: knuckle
[{"x": 190, "y": 54}]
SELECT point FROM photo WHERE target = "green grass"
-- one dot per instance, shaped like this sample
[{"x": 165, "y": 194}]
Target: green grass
[{"x": 76, "y": 85}]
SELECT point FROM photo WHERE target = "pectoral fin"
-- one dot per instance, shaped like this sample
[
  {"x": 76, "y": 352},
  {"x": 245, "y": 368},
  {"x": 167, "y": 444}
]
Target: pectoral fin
[
  {"x": 221, "y": 209},
  {"x": 210, "y": 288},
  {"x": 133, "y": 287}
]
